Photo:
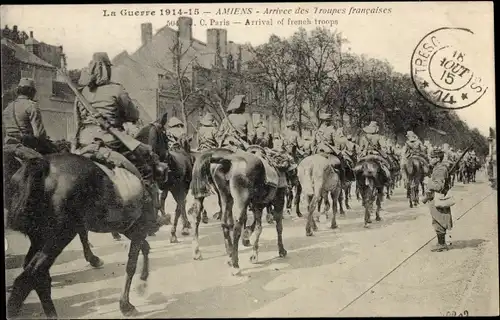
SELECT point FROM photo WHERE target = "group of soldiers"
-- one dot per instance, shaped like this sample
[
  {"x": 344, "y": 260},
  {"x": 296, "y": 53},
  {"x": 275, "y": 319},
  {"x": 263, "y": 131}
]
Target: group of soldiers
[{"x": 24, "y": 133}]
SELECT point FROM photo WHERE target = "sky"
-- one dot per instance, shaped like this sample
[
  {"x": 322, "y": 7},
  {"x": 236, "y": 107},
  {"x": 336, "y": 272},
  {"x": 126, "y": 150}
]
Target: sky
[{"x": 391, "y": 36}]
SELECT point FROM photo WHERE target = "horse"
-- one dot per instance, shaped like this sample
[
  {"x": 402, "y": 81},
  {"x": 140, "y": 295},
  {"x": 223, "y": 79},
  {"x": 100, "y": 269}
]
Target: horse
[
  {"x": 239, "y": 179},
  {"x": 11, "y": 165},
  {"x": 415, "y": 171},
  {"x": 60, "y": 195},
  {"x": 395, "y": 170},
  {"x": 294, "y": 183},
  {"x": 351, "y": 159},
  {"x": 180, "y": 164},
  {"x": 371, "y": 181},
  {"x": 318, "y": 176}
]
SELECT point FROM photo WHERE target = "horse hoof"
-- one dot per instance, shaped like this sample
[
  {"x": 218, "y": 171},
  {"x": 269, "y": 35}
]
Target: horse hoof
[
  {"x": 165, "y": 220},
  {"x": 334, "y": 226},
  {"x": 95, "y": 262},
  {"x": 378, "y": 219},
  {"x": 236, "y": 272},
  {"x": 309, "y": 233},
  {"x": 289, "y": 211},
  {"x": 217, "y": 215},
  {"x": 185, "y": 232},
  {"x": 246, "y": 242},
  {"x": 230, "y": 262},
  {"x": 142, "y": 288},
  {"x": 315, "y": 228},
  {"x": 299, "y": 215},
  {"x": 204, "y": 220},
  {"x": 347, "y": 207},
  {"x": 368, "y": 221},
  {"x": 197, "y": 256},
  {"x": 174, "y": 240},
  {"x": 128, "y": 309},
  {"x": 254, "y": 258},
  {"x": 366, "y": 225},
  {"x": 117, "y": 238},
  {"x": 283, "y": 253}
]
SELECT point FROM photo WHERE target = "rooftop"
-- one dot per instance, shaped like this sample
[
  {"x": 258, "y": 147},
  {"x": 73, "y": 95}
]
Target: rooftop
[{"x": 23, "y": 55}]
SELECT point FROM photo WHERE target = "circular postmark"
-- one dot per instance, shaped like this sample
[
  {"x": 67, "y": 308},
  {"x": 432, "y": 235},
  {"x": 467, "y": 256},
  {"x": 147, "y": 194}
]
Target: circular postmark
[{"x": 442, "y": 72}]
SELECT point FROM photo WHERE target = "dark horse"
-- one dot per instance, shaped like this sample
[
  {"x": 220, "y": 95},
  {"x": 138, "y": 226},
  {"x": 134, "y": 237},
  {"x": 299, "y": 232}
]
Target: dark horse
[
  {"x": 11, "y": 165},
  {"x": 370, "y": 181},
  {"x": 239, "y": 179},
  {"x": 415, "y": 171},
  {"x": 180, "y": 163},
  {"x": 56, "y": 197}
]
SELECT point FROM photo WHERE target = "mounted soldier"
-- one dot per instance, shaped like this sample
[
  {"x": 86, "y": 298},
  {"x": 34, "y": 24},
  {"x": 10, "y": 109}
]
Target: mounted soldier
[
  {"x": 156, "y": 136},
  {"x": 262, "y": 138},
  {"x": 23, "y": 125},
  {"x": 324, "y": 141},
  {"x": 175, "y": 132},
  {"x": 371, "y": 144},
  {"x": 414, "y": 147},
  {"x": 237, "y": 131},
  {"x": 115, "y": 106},
  {"x": 207, "y": 133},
  {"x": 291, "y": 140}
]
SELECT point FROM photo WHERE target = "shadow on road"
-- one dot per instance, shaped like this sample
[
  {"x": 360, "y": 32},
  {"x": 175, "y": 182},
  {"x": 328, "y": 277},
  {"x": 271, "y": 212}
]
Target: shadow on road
[{"x": 462, "y": 244}]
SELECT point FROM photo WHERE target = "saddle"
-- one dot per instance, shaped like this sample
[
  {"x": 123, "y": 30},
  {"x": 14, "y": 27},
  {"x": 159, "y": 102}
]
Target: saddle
[{"x": 274, "y": 176}]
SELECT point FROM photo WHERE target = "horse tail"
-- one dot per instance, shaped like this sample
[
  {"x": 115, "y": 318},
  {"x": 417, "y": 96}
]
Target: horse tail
[
  {"x": 30, "y": 190},
  {"x": 202, "y": 175},
  {"x": 223, "y": 161}
]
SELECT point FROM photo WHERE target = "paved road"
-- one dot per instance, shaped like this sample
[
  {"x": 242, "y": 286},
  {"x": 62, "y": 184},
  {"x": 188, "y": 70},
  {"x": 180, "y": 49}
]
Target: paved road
[{"x": 387, "y": 270}]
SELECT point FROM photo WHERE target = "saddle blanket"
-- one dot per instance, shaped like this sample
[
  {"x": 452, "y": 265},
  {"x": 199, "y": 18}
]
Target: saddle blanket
[
  {"x": 127, "y": 185},
  {"x": 273, "y": 176}
]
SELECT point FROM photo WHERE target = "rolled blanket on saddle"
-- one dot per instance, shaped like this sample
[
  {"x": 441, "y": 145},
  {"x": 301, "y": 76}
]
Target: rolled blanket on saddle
[{"x": 381, "y": 161}]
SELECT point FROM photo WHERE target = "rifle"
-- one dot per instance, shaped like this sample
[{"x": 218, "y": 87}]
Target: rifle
[
  {"x": 455, "y": 165},
  {"x": 127, "y": 140}
]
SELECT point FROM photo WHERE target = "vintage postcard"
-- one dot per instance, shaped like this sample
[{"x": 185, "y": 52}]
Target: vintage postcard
[{"x": 249, "y": 160}]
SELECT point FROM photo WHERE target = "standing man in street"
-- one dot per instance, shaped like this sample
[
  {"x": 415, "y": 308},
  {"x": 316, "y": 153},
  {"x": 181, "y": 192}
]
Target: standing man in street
[{"x": 438, "y": 186}]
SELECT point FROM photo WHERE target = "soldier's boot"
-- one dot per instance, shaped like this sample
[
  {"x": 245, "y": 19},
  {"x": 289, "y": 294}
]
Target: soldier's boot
[{"x": 441, "y": 245}]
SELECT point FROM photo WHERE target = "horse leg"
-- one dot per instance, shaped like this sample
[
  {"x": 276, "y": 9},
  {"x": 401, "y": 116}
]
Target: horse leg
[
  {"x": 409, "y": 193},
  {"x": 116, "y": 236},
  {"x": 245, "y": 239},
  {"x": 227, "y": 221},
  {"x": 180, "y": 197},
  {"x": 173, "y": 231},
  {"x": 297, "y": 200},
  {"x": 218, "y": 214},
  {"x": 240, "y": 203},
  {"x": 269, "y": 214},
  {"x": 278, "y": 218},
  {"x": 254, "y": 257},
  {"x": 163, "y": 199},
  {"x": 327, "y": 206},
  {"x": 36, "y": 274},
  {"x": 321, "y": 199},
  {"x": 336, "y": 199},
  {"x": 195, "y": 212},
  {"x": 311, "y": 206},
  {"x": 145, "y": 249},
  {"x": 380, "y": 197},
  {"x": 136, "y": 244},
  {"x": 289, "y": 199},
  {"x": 368, "y": 202},
  {"x": 347, "y": 195},
  {"x": 87, "y": 252}
]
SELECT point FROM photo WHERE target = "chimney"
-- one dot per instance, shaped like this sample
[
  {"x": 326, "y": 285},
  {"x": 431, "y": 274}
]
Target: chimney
[
  {"x": 185, "y": 28},
  {"x": 146, "y": 33},
  {"x": 31, "y": 34},
  {"x": 223, "y": 42},
  {"x": 212, "y": 39}
]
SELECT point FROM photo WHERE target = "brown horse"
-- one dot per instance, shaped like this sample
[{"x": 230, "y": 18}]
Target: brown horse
[
  {"x": 240, "y": 180},
  {"x": 318, "y": 176},
  {"x": 414, "y": 171},
  {"x": 57, "y": 196},
  {"x": 370, "y": 180},
  {"x": 11, "y": 165}
]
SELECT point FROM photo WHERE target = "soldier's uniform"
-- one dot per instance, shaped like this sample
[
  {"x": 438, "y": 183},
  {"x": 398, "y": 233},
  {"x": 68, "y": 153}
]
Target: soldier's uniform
[
  {"x": 291, "y": 140},
  {"x": 23, "y": 125},
  {"x": 207, "y": 133},
  {"x": 175, "y": 132},
  {"x": 414, "y": 147},
  {"x": 439, "y": 183},
  {"x": 114, "y": 104},
  {"x": 261, "y": 135},
  {"x": 371, "y": 144},
  {"x": 156, "y": 136},
  {"x": 324, "y": 141},
  {"x": 236, "y": 120}
]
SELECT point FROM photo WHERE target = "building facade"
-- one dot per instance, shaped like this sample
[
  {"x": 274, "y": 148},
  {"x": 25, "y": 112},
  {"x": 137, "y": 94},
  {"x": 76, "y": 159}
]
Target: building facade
[
  {"x": 170, "y": 58},
  {"x": 27, "y": 59}
]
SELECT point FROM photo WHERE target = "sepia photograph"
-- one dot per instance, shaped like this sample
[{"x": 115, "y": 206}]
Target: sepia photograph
[{"x": 249, "y": 160}]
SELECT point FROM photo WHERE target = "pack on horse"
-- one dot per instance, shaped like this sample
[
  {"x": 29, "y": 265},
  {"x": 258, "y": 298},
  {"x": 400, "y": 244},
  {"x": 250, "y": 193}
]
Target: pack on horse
[
  {"x": 58, "y": 195},
  {"x": 415, "y": 167},
  {"x": 372, "y": 172},
  {"x": 175, "y": 151}
]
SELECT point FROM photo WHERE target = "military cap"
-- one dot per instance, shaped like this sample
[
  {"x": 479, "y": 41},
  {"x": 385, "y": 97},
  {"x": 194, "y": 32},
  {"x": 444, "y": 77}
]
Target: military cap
[
  {"x": 174, "y": 121},
  {"x": 101, "y": 57},
  {"x": 325, "y": 116},
  {"x": 236, "y": 103},
  {"x": 26, "y": 82},
  {"x": 436, "y": 153},
  {"x": 207, "y": 120}
]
